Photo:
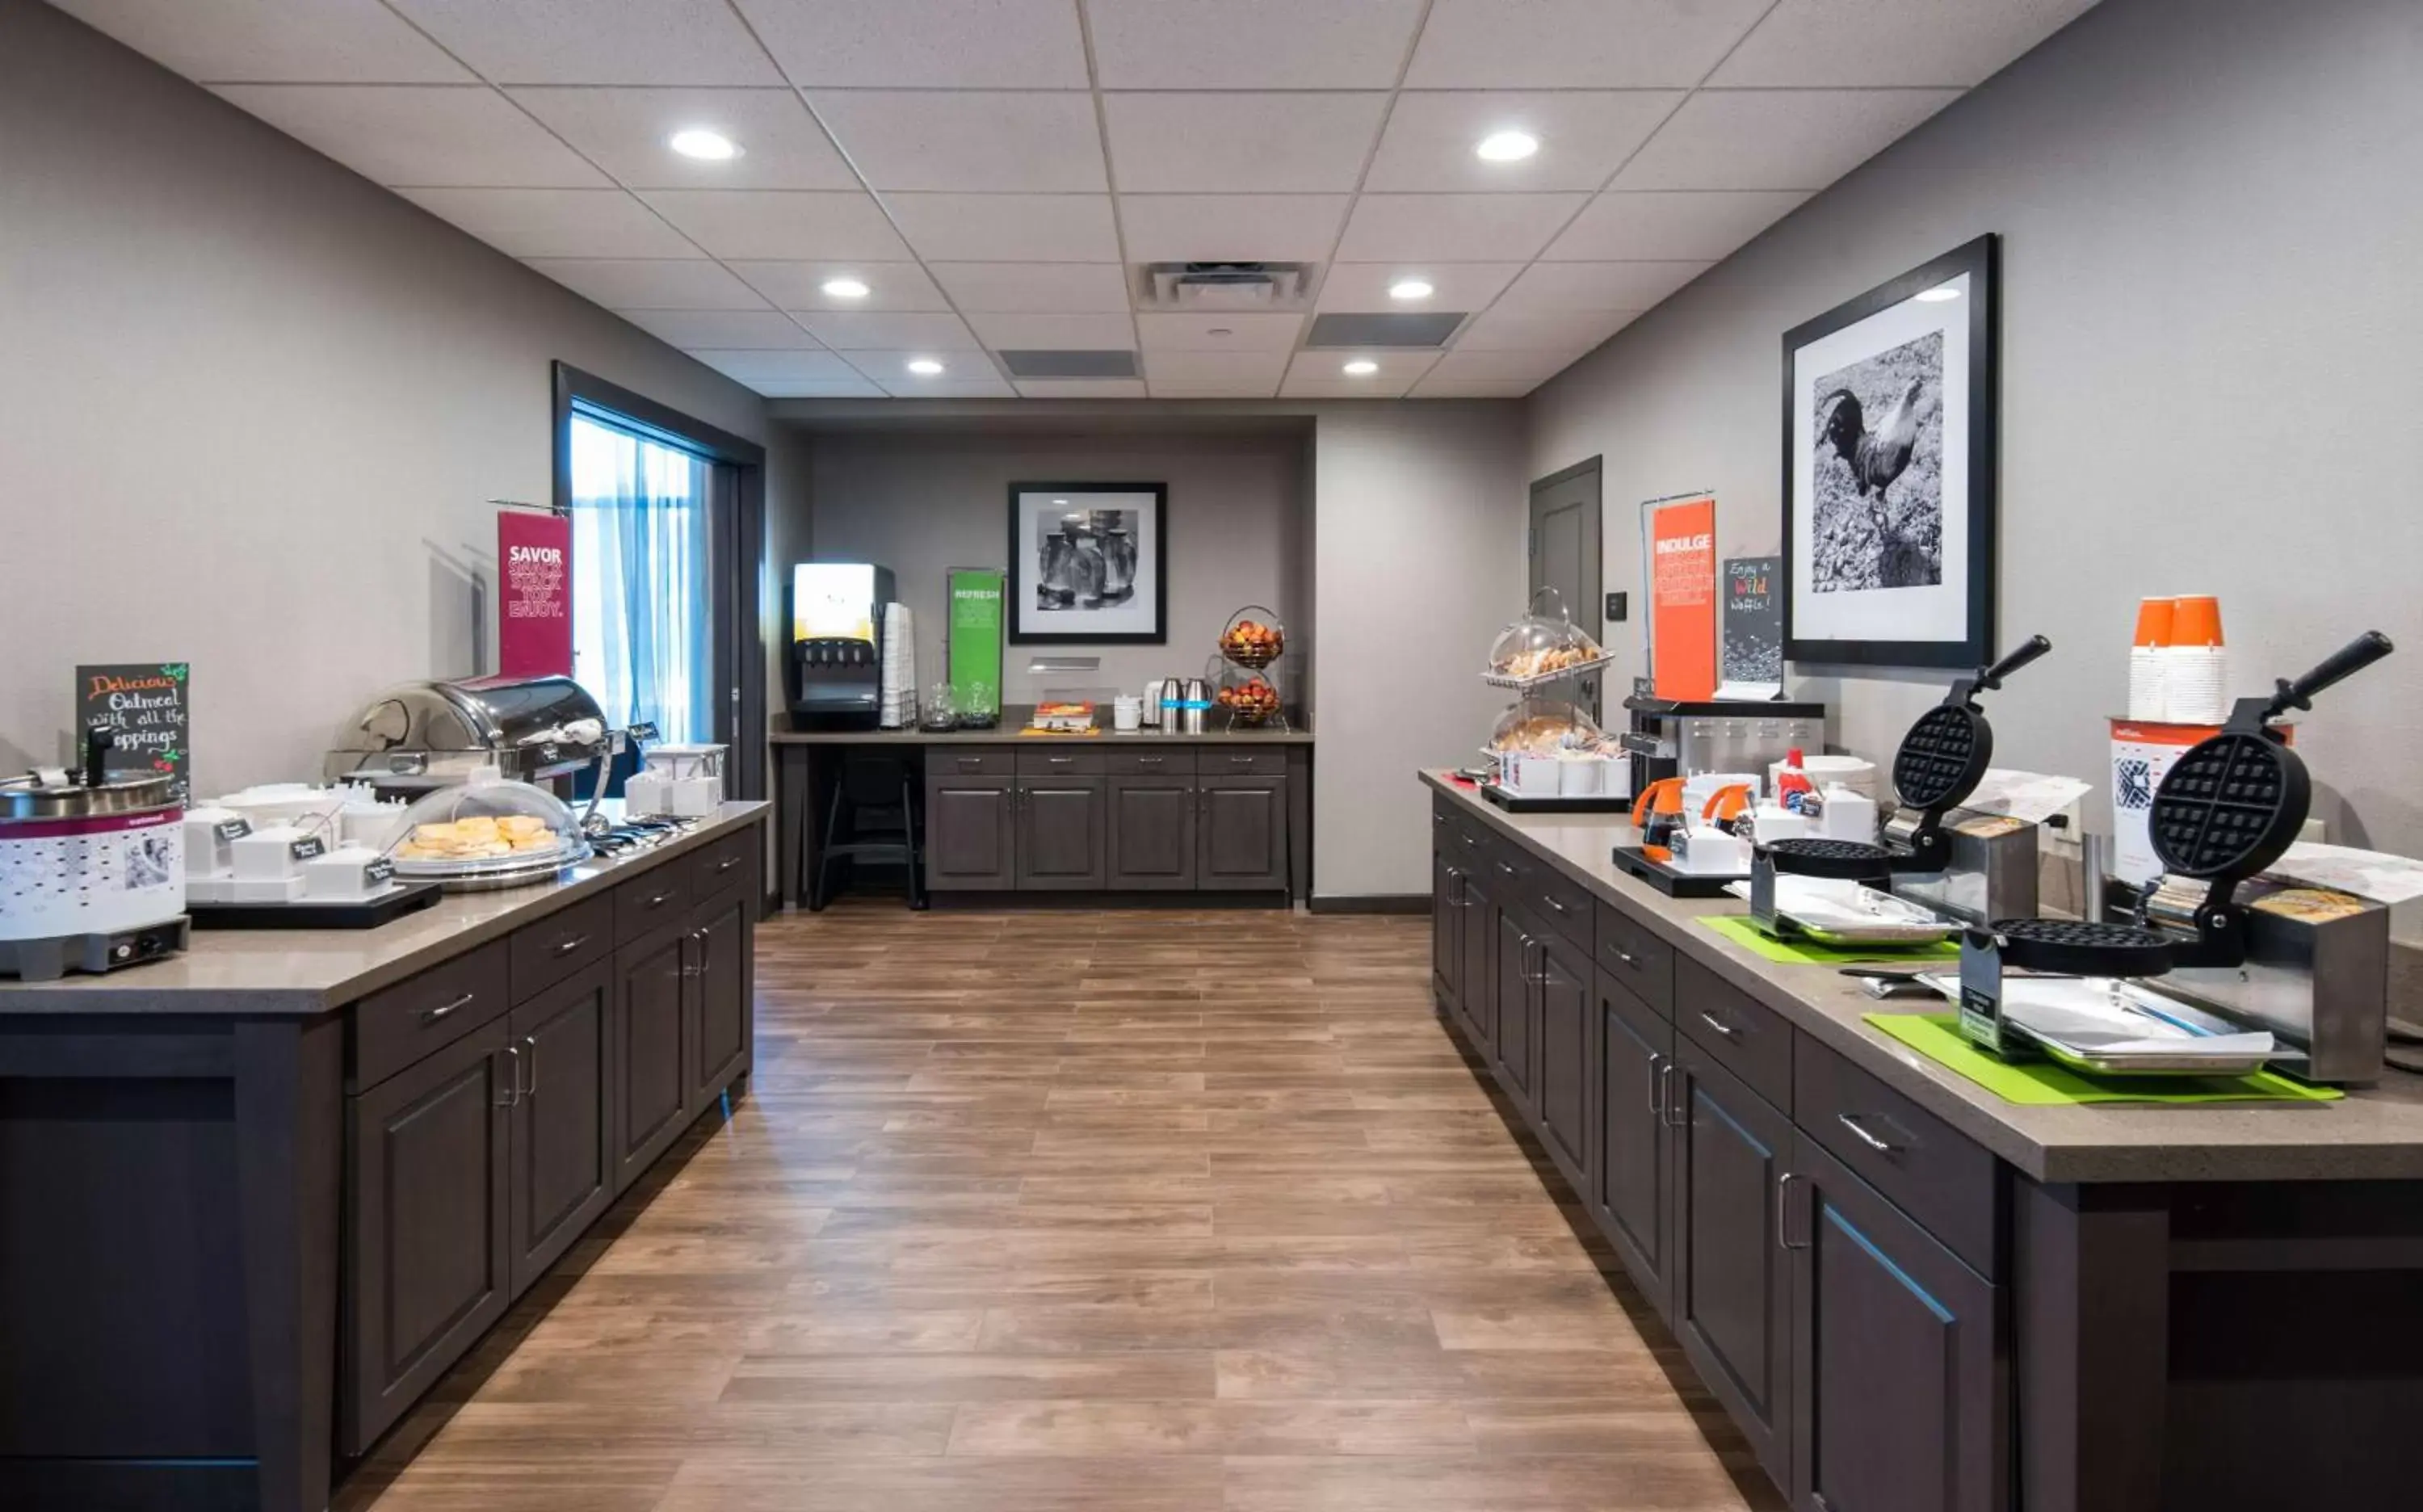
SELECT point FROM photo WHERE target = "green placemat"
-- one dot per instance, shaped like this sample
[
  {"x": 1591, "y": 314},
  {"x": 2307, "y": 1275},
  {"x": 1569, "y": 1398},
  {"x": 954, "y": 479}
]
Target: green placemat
[
  {"x": 1741, "y": 931},
  {"x": 2044, "y": 1084}
]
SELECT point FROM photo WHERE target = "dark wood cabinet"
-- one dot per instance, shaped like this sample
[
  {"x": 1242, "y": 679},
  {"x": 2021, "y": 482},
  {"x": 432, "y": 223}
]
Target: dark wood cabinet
[
  {"x": 1518, "y": 1007},
  {"x": 1244, "y": 833},
  {"x": 1478, "y": 961},
  {"x": 563, "y": 1142},
  {"x": 1151, "y": 832},
  {"x": 644, "y": 1049},
  {"x": 1059, "y": 839},
  {"x": 1631, "y": 1177},
  {"x": 1899, "y": 1384},
  {"x": 1563, "y": 988},
  {"x": 1447, "y": 934},
  {"x": 428, "y": 1259},
  {"x": 723, "y": 979},
  {"x": 971, "y": 834},
  {"x": 1733, "y": 1292}
]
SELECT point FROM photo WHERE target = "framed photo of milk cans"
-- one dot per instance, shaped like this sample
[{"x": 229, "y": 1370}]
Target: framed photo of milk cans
[
  {"x": 1088, "y": 561},
  {"x": 1889, "y": 433}
]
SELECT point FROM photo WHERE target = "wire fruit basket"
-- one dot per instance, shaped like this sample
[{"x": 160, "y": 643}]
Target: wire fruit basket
[{"x": 1247, "y": 642}]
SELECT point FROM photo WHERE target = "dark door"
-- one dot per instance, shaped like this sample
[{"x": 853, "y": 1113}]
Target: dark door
[
  {"x": 1518, "y": 1007},
  {"x": 1478, "y": 997},
  {"x": 1733, "y": 1292},
  {"x": 1565, "y": 553},
  {"x": 971, "y": 834},
  {"x": 720, "y": 992},
  {"x": 1564, "y": 995},
  {"x": 429, "y": 1260},
  {"x": 1152, "y": 832},
  {"x": 1447, "y": 933},
  {"x": 645, "y": 1050},
  {"x": 1060, "y": 832},
  {"x": 1244, "y": 833},
  {"x": 1898, "y": 1390},
  {"x": 1632, "y": 1180},
  {"x": 563, "y": 1141}
]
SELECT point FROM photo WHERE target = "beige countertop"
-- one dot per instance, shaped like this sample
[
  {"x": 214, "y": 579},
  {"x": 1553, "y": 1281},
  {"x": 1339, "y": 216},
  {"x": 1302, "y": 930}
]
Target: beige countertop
[
  {"x": 2375, "y": 1133},
  {"x": 310, "y": 971}
]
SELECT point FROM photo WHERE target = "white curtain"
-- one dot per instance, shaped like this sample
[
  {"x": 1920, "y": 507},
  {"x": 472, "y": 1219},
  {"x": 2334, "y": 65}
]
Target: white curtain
[{"x": 638, "y": 579}]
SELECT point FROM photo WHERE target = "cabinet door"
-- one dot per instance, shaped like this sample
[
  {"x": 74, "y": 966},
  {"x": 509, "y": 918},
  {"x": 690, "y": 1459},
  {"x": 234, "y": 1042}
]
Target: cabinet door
[
  {"x": 428, "y": 1258},
  {"x": 1518, "y": 1007},
  {"x": 1447, "y": 934},
  {"x": 1060, "y": 832},
  {"x": 1479, "y": 960},
  {"x": 721, "y": 991},
  {"x": 1898, "y": 1387},
  {"x": 644, "y": 1050},
  {"x": 1564, "y": 996},
  {"x": 1244, "y": 833},
  {"x": 1152, "y": 832},
  {"x": 1733, "y": 1292},
  {"x": 1631, "y": 1178},
  {"x": 971, "y": 841},
  {"x": 563, "y": 1141}
]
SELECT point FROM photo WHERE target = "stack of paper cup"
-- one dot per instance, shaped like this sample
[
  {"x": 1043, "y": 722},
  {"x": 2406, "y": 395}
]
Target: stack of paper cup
[
  {"x": 2145, "y": 659},
  {"x": 2196, "y": 668}
]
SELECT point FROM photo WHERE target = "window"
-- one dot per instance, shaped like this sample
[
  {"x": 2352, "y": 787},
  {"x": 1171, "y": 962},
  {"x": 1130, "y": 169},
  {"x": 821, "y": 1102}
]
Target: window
[{"x": 642, "y": 623}]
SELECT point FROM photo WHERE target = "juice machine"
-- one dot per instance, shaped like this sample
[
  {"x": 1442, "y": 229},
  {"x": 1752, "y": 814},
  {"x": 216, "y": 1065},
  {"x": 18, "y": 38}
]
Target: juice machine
[{"x": 832, "y": 678}]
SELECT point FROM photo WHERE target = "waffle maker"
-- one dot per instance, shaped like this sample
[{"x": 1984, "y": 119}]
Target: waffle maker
[{"x": 2225, "y": 812}]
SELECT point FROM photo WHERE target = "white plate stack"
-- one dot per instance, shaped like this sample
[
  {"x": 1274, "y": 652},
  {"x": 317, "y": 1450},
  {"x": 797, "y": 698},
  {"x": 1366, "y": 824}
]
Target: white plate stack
[{"x": 899, "y": 685}]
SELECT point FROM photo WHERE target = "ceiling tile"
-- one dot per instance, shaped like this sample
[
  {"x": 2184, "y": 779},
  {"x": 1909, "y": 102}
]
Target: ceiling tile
[
  {"x": 1890, "y": 41},
  {"x": 1168, "y": 331},
  {"x": 963, "y": 377},
  {"x": 1176, "y": 228},
  {"x": 800, "y": 285},
  {"x": 1082, "y": 389},
  {"x": 1541, "y": 330},
  {"x": 1041, "y": 287},
  {"x": 1241, "y": 143},
  {"x": 1775, "y": 138},
  {"x": 557, "y": 222},
  {"x": 1454, "y": 227},
  {"x": 423, "y": 135},
  {"x": 937, "y": 44},
  {"x": 1025, "y": 228},
  {"x": 1037, "y": 143},
  {"x": 1212, "y": 391},
  {"x": 627, "y": 283},
  {"x": 1251, "y": 44},
  {"x": 852, "y": 386},
  {"x": 1575, "y": 44},
  {"x": 1702, "y": 224},
  {"x": 595, "y": 41},
  {"x": 780, "y": 224},
  {"x": 273, "y": 42},
  {"x": 1004, "y": 331},
  {"x": 1551, "y": 286},
  {"x": 1318, "y": 375},
  {"x": 625, "y": 132},
  {"x": 730, "y": 329},
  {"x": 1215, "y": 370},
  {"x": 1433, "y": 387},
  {"x": 883, "y": 331},
  {"x": 1505, "y": 367},
  {"x": 749, "y": 365},
  {"x": 1364, "y": 286},
  {"x": 1585, "y": 135}
]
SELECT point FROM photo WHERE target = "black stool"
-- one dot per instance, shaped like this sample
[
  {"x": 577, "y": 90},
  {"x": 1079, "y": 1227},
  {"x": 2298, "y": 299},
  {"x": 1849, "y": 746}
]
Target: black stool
[{"x": 874, "y": 817}]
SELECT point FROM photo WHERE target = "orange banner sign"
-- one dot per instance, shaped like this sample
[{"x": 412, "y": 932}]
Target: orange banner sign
[{"x": 1683, "y": 599}]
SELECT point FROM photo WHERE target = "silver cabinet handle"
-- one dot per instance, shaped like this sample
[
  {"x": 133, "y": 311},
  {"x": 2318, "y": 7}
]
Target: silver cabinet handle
[
  {"x": 1674, "y": 1115},
  {"x": 431, "y": 1015},
  {"x": 970, "y": 763},
  {"x": 1784, "y": 1211},
  {"x": 565, "y": 947},
  {"x": 1625, "y": 956},
  {"x": 513, "y": 1094},
  {"x": 1657, "y": 1086},
  {"x": 1150, "y": 761},
  {"x": 1721, "y": 1026},
  {"x": 659, "y": 901},
  {"x": 1865, "y": 1135},
  {"x": 529, "y": 1085},
  {"x": 729, "y": 862},
  {"x": 1553, "y": 903},
  {"x": 1059, "y": 760},
  {"x": 1241, "y": 762},
  {"x": 1504, "y": 869}
]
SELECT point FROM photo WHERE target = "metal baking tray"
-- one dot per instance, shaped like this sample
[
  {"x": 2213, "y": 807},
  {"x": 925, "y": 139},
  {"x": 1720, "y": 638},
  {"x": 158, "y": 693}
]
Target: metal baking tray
[
  {"x": 2137, "y": 1013},
  {"x": 1857, "y": 916}
]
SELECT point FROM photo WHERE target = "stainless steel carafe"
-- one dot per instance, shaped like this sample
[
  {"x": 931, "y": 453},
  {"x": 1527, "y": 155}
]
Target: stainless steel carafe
[
  {"x": 1198, "y": 700},
  {"x": 1173, "y": 719}
]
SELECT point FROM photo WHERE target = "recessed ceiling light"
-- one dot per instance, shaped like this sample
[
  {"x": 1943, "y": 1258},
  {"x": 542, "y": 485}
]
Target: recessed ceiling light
[
  {"x": 1411, "y": 288},
  {"x": 1507, "y": 147},
  {"x": 707, "y": 146},
  {"x": 1937, "y": 295},
  {"x": 925, "y": 367},
  {"x": 846, "y": 288},
  {"x": 1362, "y": 367}
]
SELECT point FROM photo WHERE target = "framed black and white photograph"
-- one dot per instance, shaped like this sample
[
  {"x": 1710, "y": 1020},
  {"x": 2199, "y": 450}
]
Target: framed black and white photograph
[
  {"x": 1889, "y": 443},
  {"x": 1088, "y": 561}
]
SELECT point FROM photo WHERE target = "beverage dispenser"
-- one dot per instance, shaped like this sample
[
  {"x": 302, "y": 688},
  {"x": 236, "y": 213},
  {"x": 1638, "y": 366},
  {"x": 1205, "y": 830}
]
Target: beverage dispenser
[{"x": 833, "y": 674}]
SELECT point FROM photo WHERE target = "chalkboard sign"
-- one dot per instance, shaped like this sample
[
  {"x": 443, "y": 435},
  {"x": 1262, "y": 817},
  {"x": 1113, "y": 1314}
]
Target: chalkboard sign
[
  {"x": 151, "y": 704},
  {"x": 1753, "y": 627}
]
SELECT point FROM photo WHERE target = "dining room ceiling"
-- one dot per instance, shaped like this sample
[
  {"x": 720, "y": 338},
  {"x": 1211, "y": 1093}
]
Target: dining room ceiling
[{"x": 919, "y": 186}]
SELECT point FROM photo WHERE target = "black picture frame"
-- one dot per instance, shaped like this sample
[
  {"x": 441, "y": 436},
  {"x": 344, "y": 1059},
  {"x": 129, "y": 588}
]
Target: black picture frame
[
  {"x": 1020, "y": 594},
  {"x": 1980, "y": 260}
]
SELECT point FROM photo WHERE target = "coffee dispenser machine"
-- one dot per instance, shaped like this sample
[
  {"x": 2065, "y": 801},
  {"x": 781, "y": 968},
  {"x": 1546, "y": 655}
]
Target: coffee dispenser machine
[{"x": 833, "y": 674}]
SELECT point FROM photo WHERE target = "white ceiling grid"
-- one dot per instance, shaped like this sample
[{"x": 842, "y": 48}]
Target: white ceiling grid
[{"x": 994, "y": 170}]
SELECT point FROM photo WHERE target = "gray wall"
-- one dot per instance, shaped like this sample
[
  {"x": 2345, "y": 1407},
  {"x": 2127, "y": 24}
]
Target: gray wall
[
  {"x": 2213, "y": 219},
  {"x": 251, "y": 404}
]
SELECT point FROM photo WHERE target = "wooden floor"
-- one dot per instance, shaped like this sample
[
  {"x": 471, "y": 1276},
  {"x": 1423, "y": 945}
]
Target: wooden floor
[{"x": 1154, "y": 1212}]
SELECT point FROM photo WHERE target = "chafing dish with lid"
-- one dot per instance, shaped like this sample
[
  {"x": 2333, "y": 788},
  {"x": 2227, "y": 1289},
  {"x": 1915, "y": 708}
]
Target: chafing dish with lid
[{"x": 420, "y": 736}]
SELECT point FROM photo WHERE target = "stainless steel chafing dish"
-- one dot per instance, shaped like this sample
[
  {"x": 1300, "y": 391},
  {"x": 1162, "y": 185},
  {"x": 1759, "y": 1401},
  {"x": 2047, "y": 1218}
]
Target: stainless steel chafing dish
[{"x": 426, "y": 735}]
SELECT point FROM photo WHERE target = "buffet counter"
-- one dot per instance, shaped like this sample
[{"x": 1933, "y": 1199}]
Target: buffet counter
[
  {"x": 262, "y": 1196},
  {"x": 1891, "y": 1275}
]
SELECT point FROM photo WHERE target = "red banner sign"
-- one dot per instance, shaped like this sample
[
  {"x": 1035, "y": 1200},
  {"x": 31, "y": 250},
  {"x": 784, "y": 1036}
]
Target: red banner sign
[
  {"x": 535, "y": 611},
  {"x": 1682, "y": 599}
]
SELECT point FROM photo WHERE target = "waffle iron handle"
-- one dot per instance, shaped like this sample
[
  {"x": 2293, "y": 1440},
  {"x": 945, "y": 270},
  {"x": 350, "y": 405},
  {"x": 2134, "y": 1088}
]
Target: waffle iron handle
[
  {"x": 2342, "y": 664},
  {"x": 2035, "y": 647}
]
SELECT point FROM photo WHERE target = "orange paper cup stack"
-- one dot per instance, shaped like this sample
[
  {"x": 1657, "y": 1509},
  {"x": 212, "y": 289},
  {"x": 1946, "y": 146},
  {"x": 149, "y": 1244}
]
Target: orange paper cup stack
[
  {"x": 2195, "y": 666},
  {"x": 2145, "y": 664}
]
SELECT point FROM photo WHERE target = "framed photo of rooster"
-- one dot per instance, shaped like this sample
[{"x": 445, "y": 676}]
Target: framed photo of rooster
[
  {"x": 1889, "y": 464},
  {"x": 1088, "y": 563}
]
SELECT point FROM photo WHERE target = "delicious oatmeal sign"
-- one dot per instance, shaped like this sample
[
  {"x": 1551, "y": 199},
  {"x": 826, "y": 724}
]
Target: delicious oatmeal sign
[{"x": 151, "y": 705}]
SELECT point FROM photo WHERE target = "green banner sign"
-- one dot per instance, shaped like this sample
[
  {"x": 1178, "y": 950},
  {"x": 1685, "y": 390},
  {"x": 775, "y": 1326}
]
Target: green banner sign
[{"x": 974, "y": 644}]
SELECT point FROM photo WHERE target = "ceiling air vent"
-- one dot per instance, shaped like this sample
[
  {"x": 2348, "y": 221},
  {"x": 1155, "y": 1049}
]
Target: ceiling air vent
[
  {"x": 1424, "y": 329},
  {"x": 1069, "y": 364},
  {"x": 1214, "y": 287}
]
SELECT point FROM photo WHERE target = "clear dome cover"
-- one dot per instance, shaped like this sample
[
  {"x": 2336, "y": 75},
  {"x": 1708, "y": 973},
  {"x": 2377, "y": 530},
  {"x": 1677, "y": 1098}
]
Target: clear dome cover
[
  {"x": 479, "y": 829},
  {"x": 1543, "y": 726},
  {"x": 1544, "y": 640}
]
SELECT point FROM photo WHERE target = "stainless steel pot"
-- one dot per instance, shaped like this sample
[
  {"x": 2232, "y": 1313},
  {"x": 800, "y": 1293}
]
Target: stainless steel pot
[{"x": 87, "y": 857}]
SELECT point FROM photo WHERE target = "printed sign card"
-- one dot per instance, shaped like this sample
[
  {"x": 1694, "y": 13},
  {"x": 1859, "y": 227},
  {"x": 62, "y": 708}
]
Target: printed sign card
[
  {"x": 1752, "y": 658},
  {"x": 151, "y": 703}
]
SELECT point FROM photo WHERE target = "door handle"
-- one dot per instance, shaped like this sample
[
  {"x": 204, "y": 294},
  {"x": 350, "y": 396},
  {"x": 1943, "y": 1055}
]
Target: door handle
[
  {"x": 431, "y": 1015},
  {"x": 1150, "y": 760},
  {"x": 1625, "y": 956},
  {"x": 1504, "y": 869},
  {"x": 729, "y": 862},
  {"x": 513, "y": 1092},
  {"x": 1865, "y": 1135},
  {"x": 1657, "y": 1086},
  {"x": 529, "y": 1085},
  {"x": 661, "y": 899},
  {"x": 1721, "y": 1026},
  {"x": 565, "y": 947},
  {"x": 1553, "y": 903},
  {"x": 1784, "y": 1211},
  {"x": 1674, "y": 1115}
]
